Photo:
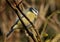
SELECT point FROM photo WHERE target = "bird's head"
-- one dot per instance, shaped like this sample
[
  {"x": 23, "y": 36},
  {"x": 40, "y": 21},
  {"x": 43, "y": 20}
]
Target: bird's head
[{"x": 33, "y": 10}]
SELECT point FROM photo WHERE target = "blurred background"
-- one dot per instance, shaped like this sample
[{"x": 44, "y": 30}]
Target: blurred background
[{"x": 47, "y": 22}]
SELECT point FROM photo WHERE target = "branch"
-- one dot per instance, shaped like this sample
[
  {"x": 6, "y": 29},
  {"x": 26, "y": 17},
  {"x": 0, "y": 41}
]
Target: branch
[
  {"x": 23, "y": 14},
  {"x": 22, "y": 21}
]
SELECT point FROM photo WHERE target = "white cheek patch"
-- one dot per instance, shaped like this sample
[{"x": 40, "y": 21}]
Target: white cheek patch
[{"x": 35, "y": 11}]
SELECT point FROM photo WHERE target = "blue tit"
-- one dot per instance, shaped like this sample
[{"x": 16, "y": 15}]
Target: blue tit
[
  {"x": 31, "y": 13},
  {"x": 32, "y": 16}
]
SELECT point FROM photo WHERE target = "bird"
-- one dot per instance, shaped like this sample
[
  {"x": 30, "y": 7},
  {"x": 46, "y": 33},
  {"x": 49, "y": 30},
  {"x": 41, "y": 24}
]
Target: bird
[{"x": 31, "y": 13}]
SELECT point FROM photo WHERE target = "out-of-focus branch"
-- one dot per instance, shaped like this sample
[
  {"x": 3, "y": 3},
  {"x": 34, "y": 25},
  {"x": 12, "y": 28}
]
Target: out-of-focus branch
[
  {"x": 53, "y": 23},
  {"x": 26, "y": 4},
  {"x": 52, "y": 5},
  {"x": 41, "y": 15},
  {"x": 41, "y": 18},
  {"x": 56, "y": 20}
]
